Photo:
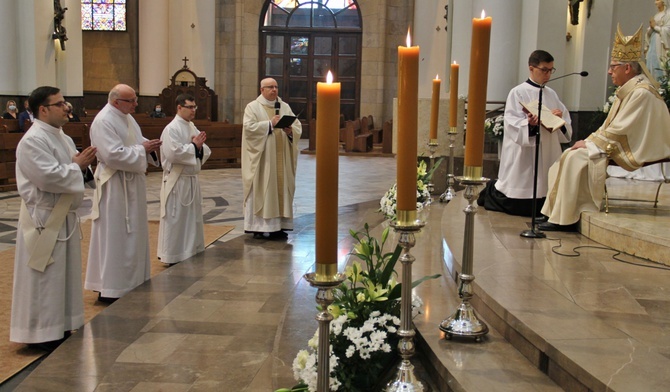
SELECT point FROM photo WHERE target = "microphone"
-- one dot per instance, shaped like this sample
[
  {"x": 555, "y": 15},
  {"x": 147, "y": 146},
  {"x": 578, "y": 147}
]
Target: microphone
[
  {"x": 583, "y": 73},
  {"x": 277, "y": 107}
]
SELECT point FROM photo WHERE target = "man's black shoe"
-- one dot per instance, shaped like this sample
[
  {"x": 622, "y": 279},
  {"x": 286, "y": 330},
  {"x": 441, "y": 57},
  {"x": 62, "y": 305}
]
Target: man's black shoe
[
  {"x": 107, "y": 300},
  {"x": 540, "y": 219},
  {"x": 548, "y": 226}
]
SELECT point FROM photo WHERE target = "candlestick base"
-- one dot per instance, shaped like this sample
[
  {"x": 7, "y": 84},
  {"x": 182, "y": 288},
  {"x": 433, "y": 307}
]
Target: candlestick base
[
  {"x": 324, "y": 297},
  {"x": 464, "y": 321}
]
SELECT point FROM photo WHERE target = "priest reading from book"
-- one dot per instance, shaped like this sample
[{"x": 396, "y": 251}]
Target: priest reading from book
[{"x": 512, "y": 192}]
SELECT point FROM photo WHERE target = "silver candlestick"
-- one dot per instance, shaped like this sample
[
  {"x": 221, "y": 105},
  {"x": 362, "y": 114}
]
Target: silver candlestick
[
  {"x": 324, "y": 297},
  {"x": 432, "y": 147},
  {"x": 405, "y": 380},
  {"x": 464, "y": 321},
  {"x": 450, "y": 193}
]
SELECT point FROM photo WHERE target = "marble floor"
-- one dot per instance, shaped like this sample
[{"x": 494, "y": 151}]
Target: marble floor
[{"x": 233, "y": 318}]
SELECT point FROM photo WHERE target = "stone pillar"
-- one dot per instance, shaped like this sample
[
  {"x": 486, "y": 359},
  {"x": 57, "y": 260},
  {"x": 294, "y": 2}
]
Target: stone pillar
[
  {"x": 192, "y": 34},
  {"x": 154, "y": 68},
  {"x": 9, "y": 47}
]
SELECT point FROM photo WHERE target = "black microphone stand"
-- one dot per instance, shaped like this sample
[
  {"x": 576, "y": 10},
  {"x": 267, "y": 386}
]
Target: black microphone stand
[{"x": 533, "y": 232}]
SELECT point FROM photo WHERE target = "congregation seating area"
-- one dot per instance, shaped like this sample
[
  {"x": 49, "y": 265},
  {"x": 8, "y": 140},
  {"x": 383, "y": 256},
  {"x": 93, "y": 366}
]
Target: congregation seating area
[
  {"x": 224, "y": 139},
  {"x": 360, "y": 135}
]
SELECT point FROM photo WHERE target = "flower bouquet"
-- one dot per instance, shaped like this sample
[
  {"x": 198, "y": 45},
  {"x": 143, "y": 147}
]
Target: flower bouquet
[
  {"x": 494, "y": 127},
  {"x": 366, "y": 311},
  {"x": 387, "y": 204}
]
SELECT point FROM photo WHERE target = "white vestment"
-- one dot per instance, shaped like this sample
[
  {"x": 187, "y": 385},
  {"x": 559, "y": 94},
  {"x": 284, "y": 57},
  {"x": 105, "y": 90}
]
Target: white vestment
[
  {"x": 517, "y": 161},
  {"x": 45, "y": 304},
  {"x": 637, "y": 128},
  {"x": 269, "y": 162},
  {"x": 181, "y": 233},
  {"x": 118, "y": 258}
]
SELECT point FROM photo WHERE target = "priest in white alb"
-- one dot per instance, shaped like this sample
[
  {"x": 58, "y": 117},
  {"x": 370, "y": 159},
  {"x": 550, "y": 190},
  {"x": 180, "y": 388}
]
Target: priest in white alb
[
  {"x": 47, "y": 299},
  {"x": 269, "y": 162},
  {"x": 183, "y": 152},
  {"x": 118, "y": 257}
]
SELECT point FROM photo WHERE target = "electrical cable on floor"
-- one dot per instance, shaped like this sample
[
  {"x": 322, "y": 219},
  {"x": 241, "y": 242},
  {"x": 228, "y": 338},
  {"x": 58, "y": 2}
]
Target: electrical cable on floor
[{"x": 614, "y": 256}]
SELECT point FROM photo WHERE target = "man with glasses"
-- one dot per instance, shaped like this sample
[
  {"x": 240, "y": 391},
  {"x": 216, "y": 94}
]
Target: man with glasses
[
  {"x": 269, "y": 161},
  {"x": 47, "y": 301},
  {"x": 183, "y": 152},
  {"x": 512, "y": 192},
  {"x": 118, "y": 258},
  {"x": 636, "y": 131}
]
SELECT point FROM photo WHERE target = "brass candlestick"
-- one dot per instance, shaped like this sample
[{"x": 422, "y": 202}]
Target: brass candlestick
[
  {"x": 450, "y": 193},
  {"x": 464, "y": 321},
  {"x": 405, "y": 380},
  {"x": 324, "y": 297}
]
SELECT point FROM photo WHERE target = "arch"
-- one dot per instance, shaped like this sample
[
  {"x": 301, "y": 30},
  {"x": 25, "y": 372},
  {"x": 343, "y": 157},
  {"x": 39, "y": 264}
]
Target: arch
[{"x": 300, "y": 41}]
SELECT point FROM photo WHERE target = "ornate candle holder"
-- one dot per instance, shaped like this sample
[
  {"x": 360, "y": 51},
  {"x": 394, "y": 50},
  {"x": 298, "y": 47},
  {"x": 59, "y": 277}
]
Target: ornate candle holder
[
  {"x": 432, "y": 147},
  {"x": 450, "y": 193},
  {"x": 324, "y": 297},
  {"x": 406, "y": 381},
  {"x": 464, "y": 321}
]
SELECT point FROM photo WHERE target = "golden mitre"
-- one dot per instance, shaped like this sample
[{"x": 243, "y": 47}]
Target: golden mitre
[{"x": 628, "y": 48}]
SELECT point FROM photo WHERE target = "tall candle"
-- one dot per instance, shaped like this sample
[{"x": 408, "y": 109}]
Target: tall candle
[
  {"x": 327, "y": 154},
  {"x": 408, "y": 102},
  {"x": 453, "y": 98},
  {"x": 434, "y": 108},
  {"x": 479, "y": 72}
]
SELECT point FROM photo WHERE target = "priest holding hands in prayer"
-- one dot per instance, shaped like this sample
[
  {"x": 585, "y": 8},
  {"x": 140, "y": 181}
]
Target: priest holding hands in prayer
[
  {"x": 47, "y": 299},
  {"x": 118, "y": 258}
]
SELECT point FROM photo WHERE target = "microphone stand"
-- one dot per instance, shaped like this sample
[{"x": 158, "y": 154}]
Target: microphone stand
[{"x": 533, "y": 232}]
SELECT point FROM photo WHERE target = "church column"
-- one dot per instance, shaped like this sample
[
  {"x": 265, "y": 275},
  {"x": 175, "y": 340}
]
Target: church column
[
  {"x": 9, "y": 83},
  {"x": 192, "y": 34},
  {"x": 154, "y": 45},
  {"x": 36, "y": 52}
]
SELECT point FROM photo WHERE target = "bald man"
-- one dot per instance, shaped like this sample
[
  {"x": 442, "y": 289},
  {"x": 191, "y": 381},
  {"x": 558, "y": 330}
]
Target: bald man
[
  {"x": 118, "y": 258},
  {"x": 269, "y": 162}
]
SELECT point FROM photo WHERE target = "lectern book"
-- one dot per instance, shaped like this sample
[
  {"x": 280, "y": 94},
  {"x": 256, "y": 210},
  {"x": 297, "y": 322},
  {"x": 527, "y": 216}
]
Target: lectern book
[
  {"x": 549, "y": 120},
  {"x": 287, "y": 121}
]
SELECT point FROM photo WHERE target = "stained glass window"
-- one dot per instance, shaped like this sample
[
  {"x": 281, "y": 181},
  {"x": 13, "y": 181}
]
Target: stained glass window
[{"x": 103, "y": 15}]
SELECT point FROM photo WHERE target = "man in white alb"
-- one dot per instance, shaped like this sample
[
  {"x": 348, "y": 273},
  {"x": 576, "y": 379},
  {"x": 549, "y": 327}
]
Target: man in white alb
[
  {"x": 47, "y": 300},
  {"x": 183, "y": 153},
  {"x": 118, "y": 258}
]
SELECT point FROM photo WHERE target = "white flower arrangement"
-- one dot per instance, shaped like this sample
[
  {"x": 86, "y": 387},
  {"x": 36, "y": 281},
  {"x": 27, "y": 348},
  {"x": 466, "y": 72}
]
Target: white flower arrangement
[
  {"x": 609, "y": 102},
  {"x": 387, "y": 204},
  {"x": 495, "y": 127}
]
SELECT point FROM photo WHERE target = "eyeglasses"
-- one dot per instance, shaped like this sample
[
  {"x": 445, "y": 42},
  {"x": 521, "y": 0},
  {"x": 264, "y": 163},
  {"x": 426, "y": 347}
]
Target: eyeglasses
[
  {"x": 612, "y": 67},
  {"x": 194, "y": 107},
  {"x": 546, "y": 70},
  {"x": 134, "y": 100},
  {"x": 271, "y": 87},
  {"x": 60, "y": 104}
]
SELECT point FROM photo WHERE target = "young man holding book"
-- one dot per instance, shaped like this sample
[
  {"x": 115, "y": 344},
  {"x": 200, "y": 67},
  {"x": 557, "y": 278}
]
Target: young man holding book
[{"x": 512, "y": 192}]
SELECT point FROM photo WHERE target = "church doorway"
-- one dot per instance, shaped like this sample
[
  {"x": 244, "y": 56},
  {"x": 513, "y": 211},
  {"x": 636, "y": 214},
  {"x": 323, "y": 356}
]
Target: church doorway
[{"x": 300, "y": 41}]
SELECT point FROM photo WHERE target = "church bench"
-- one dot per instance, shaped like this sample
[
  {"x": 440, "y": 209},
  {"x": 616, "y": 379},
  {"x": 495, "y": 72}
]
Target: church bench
[
  {"x": 369, "y": 124},
  {"x": 79, "y": 134},
  {"x": 356, "y": 138},
  {"x": 10, "y": 125},
  {"x": 8, "y": 143}
]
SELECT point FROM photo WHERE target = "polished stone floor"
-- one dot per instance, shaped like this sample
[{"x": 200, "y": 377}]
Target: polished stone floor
[{"x": 233, "y": 318}]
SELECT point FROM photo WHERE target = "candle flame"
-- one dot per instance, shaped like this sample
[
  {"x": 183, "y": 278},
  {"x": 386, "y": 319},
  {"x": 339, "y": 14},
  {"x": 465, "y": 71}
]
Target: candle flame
[
  {"x": 329, "y": 78},
  {"x": 409, "y": 39},
  {"x": 483, "y": 14},
  {"x": 455, "y": 62},
  {"x": 437, "y": 77}
]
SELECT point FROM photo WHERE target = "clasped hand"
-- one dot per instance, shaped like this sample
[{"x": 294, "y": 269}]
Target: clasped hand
[
  {"x": 85, "y": 158},
  {"x": 152, "y": 145},
  {"x": 199, "y": 139}
]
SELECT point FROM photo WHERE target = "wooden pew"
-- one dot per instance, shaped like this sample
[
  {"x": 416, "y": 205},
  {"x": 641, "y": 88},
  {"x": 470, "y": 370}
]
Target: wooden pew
[
  {"x": 387, "y": 137},
  {"x": 8, "y": 143}
]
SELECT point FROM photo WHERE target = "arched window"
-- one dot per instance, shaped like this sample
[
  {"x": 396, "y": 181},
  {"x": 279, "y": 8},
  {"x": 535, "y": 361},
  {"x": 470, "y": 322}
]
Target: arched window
[{"x": 300, "y": 41}]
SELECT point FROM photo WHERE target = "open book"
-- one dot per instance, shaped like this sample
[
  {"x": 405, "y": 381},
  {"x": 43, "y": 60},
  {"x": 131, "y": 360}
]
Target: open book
[{"x": 550, "y": 121}]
